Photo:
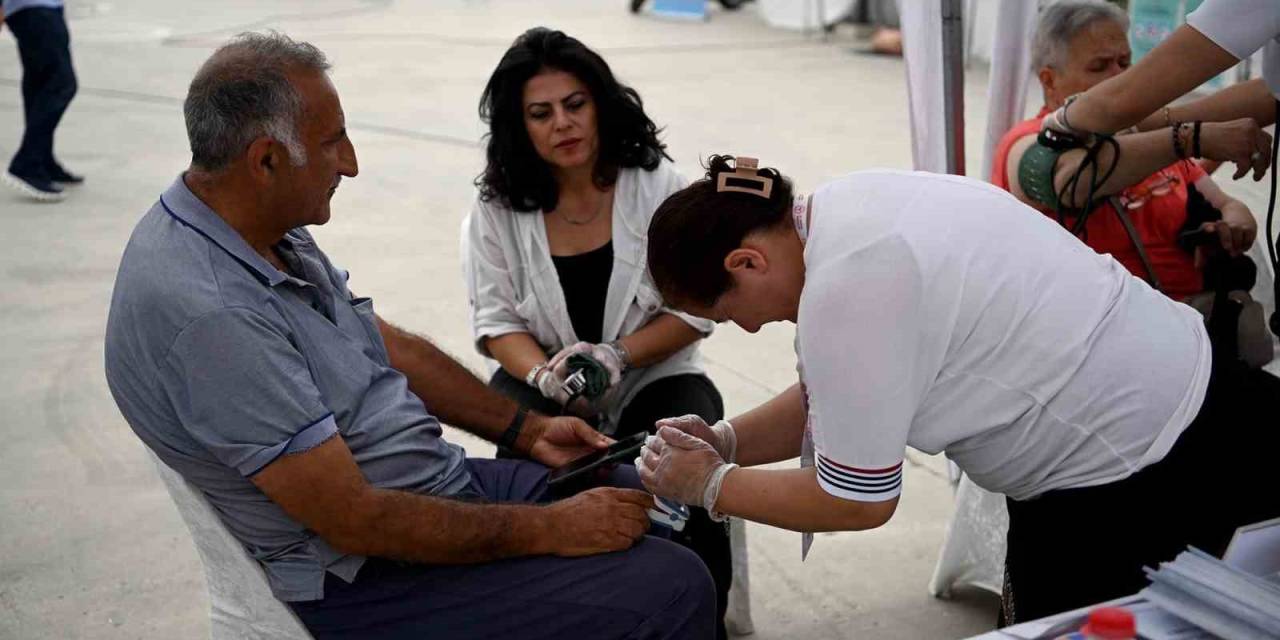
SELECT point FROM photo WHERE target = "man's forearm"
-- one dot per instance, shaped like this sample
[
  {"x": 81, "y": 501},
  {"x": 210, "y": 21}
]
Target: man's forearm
[
  {"x": 449, "y": 390},
  {"x": 407, "y": 526},
  {"x": 772, "y": 431}
]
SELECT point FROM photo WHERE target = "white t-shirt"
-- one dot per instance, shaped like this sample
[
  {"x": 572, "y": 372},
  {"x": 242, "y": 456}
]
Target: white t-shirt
[
  {"x": 941, "y": 313},
  {"x": 1242, "y": 27}
]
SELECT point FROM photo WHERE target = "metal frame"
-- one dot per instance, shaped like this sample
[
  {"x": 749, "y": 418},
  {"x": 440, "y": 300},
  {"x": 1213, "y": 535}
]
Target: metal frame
[{"x": 953, "y": 54}]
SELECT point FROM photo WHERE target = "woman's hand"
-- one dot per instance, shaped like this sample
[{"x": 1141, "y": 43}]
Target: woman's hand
[
  {"x": 1236, "y": 230},
  {"x": 1240, "y": 141},
  {"x": 557, "y": 371},
  {"x": 551, "y": 386},
  {"x": 676, "y": 465},
  {"x": 720, "y": 435},
  {"x": 605, "y": 354}
]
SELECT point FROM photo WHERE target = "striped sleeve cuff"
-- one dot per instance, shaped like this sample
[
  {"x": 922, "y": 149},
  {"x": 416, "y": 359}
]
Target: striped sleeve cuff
[
  {"x": 863, "y": 485},
  {"x": 305, "y": 439}
]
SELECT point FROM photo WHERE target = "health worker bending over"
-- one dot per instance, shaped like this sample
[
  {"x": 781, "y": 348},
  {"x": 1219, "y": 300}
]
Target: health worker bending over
[{"x": 941, "y": 313}]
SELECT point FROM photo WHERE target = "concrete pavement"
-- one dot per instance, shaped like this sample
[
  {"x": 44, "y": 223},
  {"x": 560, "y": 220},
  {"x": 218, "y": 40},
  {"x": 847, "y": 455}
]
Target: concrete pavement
[{"x": 91, "y": 546}]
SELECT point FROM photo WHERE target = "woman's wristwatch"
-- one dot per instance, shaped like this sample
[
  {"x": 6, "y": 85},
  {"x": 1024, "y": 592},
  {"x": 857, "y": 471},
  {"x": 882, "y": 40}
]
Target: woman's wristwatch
[{"x": 624, "y": 355}]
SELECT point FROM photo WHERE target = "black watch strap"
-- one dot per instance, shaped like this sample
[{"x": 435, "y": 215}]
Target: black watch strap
[{"x": 512, "y": 433}]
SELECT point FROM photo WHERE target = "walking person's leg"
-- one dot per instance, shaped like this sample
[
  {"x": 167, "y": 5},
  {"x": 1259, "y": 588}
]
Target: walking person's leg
[
  {"x": 676, "y": 396},
  {"x": 62, "y": 90},
  {"x": 48, "y": 84}
]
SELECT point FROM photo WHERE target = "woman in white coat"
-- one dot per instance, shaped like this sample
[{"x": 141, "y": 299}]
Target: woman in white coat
[{"x": 555, "y": 251}]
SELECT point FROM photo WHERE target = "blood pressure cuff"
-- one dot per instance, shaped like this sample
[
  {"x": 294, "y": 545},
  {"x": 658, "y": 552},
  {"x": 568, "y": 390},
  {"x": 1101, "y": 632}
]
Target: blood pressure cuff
[
  {"x": 1035, "y": 174},
  {"x": 594, "y": 373}
]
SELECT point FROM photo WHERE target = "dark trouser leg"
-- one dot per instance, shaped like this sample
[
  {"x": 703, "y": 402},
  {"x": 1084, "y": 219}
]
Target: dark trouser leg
[
  {"x": 656, "y": 589},
  {"x": 48, "y": 84},
  {"x": 1075, "y": 547},
  {"x": 677, "y": 396},
  {"x": 525, "y": 395}
]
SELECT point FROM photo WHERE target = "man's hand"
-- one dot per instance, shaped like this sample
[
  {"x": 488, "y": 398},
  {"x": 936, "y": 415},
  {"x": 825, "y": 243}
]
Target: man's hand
[
  {"x": 556, "y": 441},
  {"x": 596, "y": 521},
  {"x": 1240, "y": 141}
]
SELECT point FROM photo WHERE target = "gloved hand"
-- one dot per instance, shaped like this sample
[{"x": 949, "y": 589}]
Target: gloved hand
[
  {"x": 719, "y": 435},
  {"x": 681, "y": 467},
  {"x": 1054, "y": 122},
  {"x": 551, "y": 386},
  {"x": 605, "y": 354}
]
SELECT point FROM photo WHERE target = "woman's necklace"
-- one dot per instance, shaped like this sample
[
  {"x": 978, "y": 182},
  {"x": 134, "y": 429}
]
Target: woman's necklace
[{"x": 578, "y": 223}]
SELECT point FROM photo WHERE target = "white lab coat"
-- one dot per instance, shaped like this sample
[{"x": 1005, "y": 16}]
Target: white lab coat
[{"x": 513, "y": 286}]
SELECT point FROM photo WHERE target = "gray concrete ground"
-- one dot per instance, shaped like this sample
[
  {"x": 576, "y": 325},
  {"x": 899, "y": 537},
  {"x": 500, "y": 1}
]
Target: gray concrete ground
[{"x": 90, "y": 545}]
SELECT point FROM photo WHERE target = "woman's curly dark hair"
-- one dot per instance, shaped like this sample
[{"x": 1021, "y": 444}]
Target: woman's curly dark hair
[{"x": 514, "y": 172}]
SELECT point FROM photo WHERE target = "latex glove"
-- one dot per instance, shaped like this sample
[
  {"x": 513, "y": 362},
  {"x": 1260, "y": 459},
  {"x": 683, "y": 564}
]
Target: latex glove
[
  {"x": 1058, "y": 122},
  {"x": 602, "y": 353},
  {"x": 1054, "y": 122},
  {"x": 681, "y": 467},
  {"x": 551, "y": 386},
  {"x": 719, "y": 435}
]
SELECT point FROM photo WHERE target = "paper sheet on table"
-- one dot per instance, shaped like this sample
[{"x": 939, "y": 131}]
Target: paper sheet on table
[{"x": 1255, "y": 549}]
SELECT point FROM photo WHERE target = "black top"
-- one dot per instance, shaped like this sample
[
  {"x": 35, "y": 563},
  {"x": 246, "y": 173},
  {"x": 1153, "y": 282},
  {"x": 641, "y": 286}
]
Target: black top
[{"x": 585, "y": 281}]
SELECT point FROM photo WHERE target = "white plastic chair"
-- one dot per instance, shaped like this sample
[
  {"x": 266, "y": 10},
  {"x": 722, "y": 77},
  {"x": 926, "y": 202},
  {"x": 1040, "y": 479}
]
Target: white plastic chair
[{"x": 240, "y": 602}]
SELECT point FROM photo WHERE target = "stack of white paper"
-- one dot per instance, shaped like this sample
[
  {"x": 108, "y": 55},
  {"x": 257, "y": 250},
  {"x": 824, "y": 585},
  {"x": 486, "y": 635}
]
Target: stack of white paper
[{"x": 1221, "y": 599}]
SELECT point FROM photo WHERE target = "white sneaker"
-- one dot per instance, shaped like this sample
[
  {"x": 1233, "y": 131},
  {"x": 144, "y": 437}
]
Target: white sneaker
[{"x": 46, "y": 192}]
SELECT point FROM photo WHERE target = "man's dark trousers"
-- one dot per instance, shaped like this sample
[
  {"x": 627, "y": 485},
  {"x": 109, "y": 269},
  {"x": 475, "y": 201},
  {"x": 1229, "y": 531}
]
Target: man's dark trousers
[
  {"x": 654, "y": 590},
  {"x": 48, "y": 84}
]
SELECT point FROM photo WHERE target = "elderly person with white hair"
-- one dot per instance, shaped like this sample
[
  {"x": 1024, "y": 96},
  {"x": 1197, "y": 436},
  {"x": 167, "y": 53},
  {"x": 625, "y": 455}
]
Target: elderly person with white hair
[{"x": 1078, "y": 44}]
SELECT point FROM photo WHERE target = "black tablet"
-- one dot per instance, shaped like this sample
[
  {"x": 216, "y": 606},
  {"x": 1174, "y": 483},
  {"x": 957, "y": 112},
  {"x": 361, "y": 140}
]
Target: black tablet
[{"x": 624, "y": 450}]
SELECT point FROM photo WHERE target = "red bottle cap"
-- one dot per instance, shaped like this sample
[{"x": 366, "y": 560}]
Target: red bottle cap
[{"x": 1111, "y": 623}]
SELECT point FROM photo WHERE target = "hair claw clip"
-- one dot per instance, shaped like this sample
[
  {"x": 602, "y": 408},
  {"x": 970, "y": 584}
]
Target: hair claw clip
[{"x": 745, "y": 179}]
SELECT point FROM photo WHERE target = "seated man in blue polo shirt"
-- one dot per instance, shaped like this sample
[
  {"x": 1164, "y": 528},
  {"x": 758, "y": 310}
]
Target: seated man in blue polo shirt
[{"x": 236, "y": 352}]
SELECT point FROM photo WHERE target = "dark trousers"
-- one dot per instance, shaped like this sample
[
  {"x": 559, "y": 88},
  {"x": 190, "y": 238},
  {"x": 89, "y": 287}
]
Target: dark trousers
[
  {"x": 48, "y": 84},
  {"x": 655, "y": 589},
  {"x": 1075, "y": 547},
  {"x": 663, "y": 398}
]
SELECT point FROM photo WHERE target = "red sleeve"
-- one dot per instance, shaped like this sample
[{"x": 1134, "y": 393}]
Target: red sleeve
[
  {"x": 999, "y": 164},
  {"x": 1191, "y": 171}
]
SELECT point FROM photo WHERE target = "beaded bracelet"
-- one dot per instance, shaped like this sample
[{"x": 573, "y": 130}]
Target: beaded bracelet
[{"x": 1178, "y": 149}]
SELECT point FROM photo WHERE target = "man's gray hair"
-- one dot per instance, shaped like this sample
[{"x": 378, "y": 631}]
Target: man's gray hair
[
  {"x": 243, "y": 92},
  {"x": 1062, "y": 21}
]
